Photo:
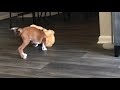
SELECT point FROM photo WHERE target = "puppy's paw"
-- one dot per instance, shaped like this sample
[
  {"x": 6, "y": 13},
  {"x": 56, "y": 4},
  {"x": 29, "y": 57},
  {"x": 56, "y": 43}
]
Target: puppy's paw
[
  {"x": 24, "y": 56},
  {"x": 44, "y": 48},
  {"x": 36, "y": 45}
]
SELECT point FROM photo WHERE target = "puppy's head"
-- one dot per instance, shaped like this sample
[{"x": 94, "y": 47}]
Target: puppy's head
[{"x": 50, "y": 39}]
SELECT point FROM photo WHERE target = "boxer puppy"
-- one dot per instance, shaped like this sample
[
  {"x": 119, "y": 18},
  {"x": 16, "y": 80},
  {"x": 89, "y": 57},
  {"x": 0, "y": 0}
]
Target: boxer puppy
[{"x": 31, "y": 34}]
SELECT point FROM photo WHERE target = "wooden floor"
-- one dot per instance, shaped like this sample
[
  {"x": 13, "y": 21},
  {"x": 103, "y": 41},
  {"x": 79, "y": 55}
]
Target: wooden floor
[{"x": 74, "y": 55}]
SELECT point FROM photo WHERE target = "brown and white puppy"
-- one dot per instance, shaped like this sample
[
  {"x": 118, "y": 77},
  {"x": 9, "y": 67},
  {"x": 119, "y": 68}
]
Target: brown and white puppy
[
  {"x": 50, "y": 37},
  {"x": 31, "y": 34}
]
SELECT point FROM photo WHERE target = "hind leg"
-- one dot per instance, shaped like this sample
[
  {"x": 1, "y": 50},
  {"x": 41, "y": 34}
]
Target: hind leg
[
  {"x": 43, "y": 44},
  {"x": 44, "y": 47},
  {"x": 36, "y": 44},
  {"x": 22, "y": 47}
]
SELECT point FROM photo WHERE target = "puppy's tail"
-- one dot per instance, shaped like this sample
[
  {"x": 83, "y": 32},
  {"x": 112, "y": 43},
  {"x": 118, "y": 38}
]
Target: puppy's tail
[
  {"x": 20, "y": 30},
  {"x": 15, "y": 30}
]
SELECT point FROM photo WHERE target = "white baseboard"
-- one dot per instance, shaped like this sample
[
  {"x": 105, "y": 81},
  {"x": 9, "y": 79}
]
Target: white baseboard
[{"x": 105, "y": 39}]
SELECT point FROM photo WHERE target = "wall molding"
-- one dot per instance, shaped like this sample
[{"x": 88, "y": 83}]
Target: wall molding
[{"x": 105, "y": 39}]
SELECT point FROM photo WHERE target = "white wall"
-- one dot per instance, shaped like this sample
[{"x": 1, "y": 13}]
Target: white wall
[{"x": 4, "y": 15}]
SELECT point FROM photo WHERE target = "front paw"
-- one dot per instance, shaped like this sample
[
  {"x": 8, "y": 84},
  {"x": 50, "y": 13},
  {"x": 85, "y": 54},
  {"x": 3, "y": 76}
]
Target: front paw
[
  {"x": 44, "y": 49},
  {"x": 24, "y": 56}
]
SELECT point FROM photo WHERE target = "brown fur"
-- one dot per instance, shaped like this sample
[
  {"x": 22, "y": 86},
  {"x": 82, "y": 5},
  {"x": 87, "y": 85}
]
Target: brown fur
[
  {"x": 50, "y": 35},
  {"x": 30, "y": 34}
]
